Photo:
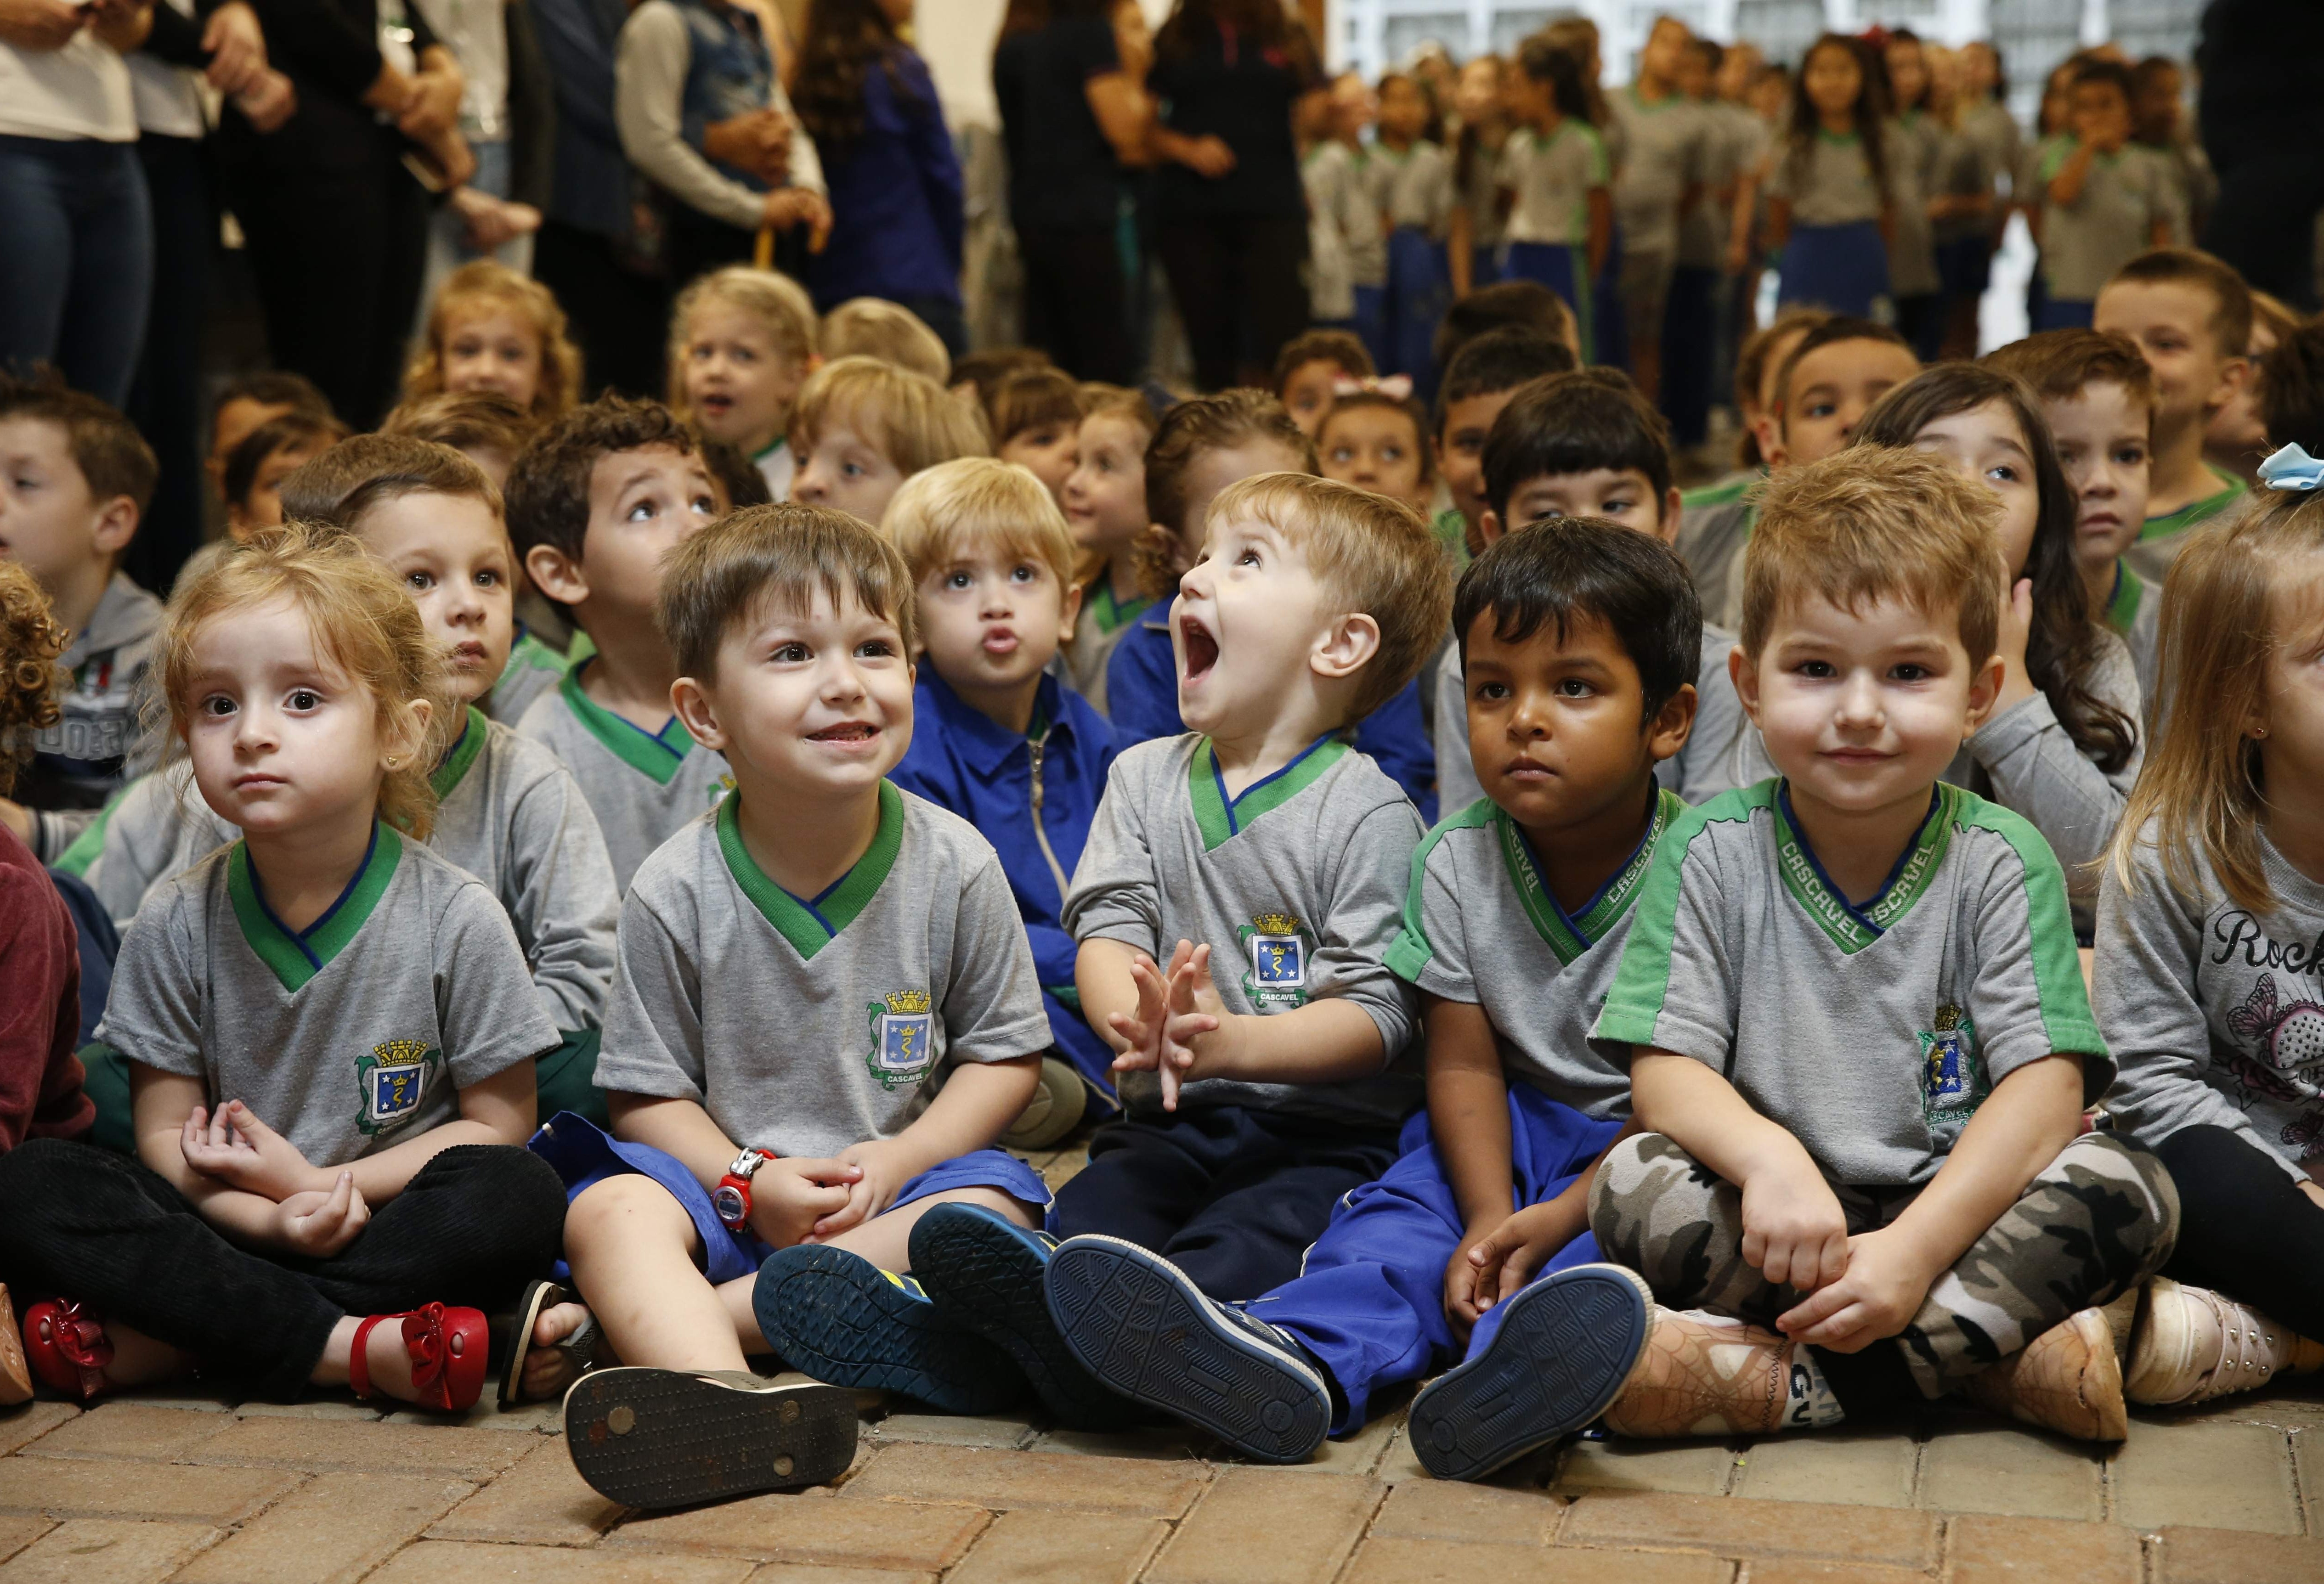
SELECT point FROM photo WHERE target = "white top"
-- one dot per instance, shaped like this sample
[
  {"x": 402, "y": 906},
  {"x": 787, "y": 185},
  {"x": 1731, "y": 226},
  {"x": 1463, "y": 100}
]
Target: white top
[
  {"x": 169, "y": 103},
  {"x": 80, "y": 91}
]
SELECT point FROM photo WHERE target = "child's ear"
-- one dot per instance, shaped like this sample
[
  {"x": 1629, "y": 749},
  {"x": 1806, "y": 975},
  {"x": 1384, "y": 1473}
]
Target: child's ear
[
  {"x": 1769, "y": 426},
  {"x": 1673, "y": 723},
  {"x": 1346, "y": 647},
  {"x": 407, "y": 733},
  {"x": 555, "y": 575},
  {"x": 1673, "y": 513},
  {"x": 690, "y": 704},
  {"x": 1488, "y": 527},
  {"x": 115, "y": 525},
  {"x": 1743, "y": 672},
  {"x": 2234, "y": 375},
  {"x": 1069, "y": 611},
  {"x": 1984, "y": 688}
]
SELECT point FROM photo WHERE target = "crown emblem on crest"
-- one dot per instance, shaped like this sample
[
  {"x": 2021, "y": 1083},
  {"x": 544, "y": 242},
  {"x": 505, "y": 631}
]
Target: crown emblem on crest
[
  {"x": 903, "y": 1001},
  {"x": 1275, "y": 923},
  {"x": 1949, "y": 1017}
]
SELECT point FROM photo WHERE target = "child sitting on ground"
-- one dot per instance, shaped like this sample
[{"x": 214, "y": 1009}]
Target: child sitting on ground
[
  {"x": 998, "y": 740},
  {"x": 1579, "y": 639},
  {"x": 874, "y": 327},
  {"x": 492, "y": 329},
  {"x": 741, "y": 343},
  {"x": 1104, "y": 500},
  {"x": 75, "y": 478},
  {"x": 2189, "y": 315},
  {"x": 255, "y": 472},
  {"x": 1858, "y": 1044},
  {"x": 1035, "y": 420},
  {"x": 1310, "y": 370},
  {"x": 594, "y": 504},
  {"x": 330, "y": 1031},
  {"x": 799, "y": 969},
  {"x": 862, "y": 427},
  {"x": 1377, "y": 440},
  {"x": 1481, "y": 380},
  {"x": 250, "y": 399}
]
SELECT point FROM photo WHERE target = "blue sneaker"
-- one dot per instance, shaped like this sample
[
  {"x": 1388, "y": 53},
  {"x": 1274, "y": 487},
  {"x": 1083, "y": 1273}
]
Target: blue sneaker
[
  {"x": 984, "y": 1272},
  {"x": 1137, "y": 1324},
  {"x": 842, "y": 1320},
  {"x": 1565, "y": 1346}
]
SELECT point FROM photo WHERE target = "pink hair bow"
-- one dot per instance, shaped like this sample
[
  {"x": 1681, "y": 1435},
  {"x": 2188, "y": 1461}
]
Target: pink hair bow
[{"x": 1398, "y": 386}]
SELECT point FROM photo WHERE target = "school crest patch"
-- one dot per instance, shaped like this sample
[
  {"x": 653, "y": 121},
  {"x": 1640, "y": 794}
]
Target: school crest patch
[
  {"x": 1952, "y": 1069},
  {"x": 393, "y": 1079},
  {"x": 903, "y": 1039},
  {"x": 1278, "y": 953}
]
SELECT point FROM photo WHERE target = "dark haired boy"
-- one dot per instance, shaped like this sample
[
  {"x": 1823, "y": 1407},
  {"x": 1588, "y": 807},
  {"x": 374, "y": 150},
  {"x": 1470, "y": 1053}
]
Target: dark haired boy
[
  {"x": 2292, "y": 391},
  {"x": 1586, "y": 445},
  {"x": 595, "y": 502},
  {"x": 2105, "y": 199},
  {"x": 1580, "y": 641},
  {"x": 1478, "y": 382},
  {"x": 75, "y": 478}
]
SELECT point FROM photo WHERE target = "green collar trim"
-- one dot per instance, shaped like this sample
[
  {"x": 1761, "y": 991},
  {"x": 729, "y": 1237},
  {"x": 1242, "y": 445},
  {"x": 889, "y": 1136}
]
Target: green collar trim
[
  {"x": 812, "y": 923},
  {"x": 1221, "y": 818},
  {"x": 1845, "y": 139},
  {"x": 657, "y": 754},
  {"x": 462, "y": 756},
  {"x": 296, "y": 956},
  {"x": 2121, "y": 605},
  {"x": 1720, "y": 494},
  {"x": 1569, "y": 936},
  {"x": 1850, "y": 928},
  {"x": 528, "y": 653},
  {"x": 1110, "y": 614},
  {"x": 2195, "y": 512}
]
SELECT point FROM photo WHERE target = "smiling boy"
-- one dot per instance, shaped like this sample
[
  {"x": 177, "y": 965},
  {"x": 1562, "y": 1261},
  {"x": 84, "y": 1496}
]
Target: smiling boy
[{"x": 1857, "y": 1034}]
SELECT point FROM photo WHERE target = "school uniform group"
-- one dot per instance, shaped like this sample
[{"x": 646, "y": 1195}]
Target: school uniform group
[{"x": 599, "y": 899}]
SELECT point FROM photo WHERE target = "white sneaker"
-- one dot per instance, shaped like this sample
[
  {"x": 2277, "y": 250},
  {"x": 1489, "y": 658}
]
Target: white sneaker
[{"x": 2193, "y": 1344}]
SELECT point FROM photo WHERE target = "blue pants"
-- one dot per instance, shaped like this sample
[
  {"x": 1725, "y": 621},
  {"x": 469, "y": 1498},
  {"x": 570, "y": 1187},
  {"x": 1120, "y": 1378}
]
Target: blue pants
[
  {"x": 1690, "y": 349},
  {"x": 1843, "y": 268},
  {"x": 1370, "y": 1302},
  {"x": 1610, "y": 344},
  {"x": 1484, "y": 266},
  {"x": 1419, "y": 288},
  {"x": 1559, "y": 267},
  {"x": 1231, "y": 1195},
  {"x": 2064, "y": 313},
  {"x": 75, "y": 261},
  {"x": 1370, "y": 325}
]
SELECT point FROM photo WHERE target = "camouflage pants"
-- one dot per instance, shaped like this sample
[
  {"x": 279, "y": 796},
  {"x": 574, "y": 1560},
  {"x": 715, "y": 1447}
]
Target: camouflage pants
[{"x": 2097, "y": 1220}]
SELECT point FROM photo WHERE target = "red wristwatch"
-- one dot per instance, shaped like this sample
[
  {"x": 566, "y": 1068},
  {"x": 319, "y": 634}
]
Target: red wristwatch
[{"x": 732, "y": 1199}]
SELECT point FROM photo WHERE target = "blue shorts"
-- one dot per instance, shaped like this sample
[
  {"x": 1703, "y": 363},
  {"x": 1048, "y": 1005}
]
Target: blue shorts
[{"x": 585, "y": 1155}]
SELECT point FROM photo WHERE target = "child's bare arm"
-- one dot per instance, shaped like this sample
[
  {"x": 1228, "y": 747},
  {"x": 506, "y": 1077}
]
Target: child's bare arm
[
  {"x": 170, "y": 1119},
  {"x": 1794, "y": 1232},
  {"x": 1601, "y": 233},
  {"x": 1102, "y": 974},
  {"x": 678, "y": 1128},
  {"x": 1327, "y": 1041},
  {"x": 1468, "y": 1111}
]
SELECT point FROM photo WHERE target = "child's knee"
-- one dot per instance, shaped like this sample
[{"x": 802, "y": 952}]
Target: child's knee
[
  {"x": 1636, "y": 1172},
  {"x": 2125, "y": 1191},
  {"x": 623, "y": 1211}
]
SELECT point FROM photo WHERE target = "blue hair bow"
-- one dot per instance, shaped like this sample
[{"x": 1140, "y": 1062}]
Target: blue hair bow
[{"x": 2291, "y": 468}]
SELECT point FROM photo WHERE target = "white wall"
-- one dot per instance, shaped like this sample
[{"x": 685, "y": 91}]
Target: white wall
[{"x": 955, "y": 37}]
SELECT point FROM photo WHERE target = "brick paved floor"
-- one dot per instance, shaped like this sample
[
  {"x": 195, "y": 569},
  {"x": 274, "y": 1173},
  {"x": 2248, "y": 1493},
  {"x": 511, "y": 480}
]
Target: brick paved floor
[{"x": 188, "y": 1489}]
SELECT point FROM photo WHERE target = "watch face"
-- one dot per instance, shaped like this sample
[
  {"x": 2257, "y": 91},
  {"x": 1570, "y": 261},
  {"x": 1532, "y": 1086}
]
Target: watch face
[{"x": 733, "y": 1209}]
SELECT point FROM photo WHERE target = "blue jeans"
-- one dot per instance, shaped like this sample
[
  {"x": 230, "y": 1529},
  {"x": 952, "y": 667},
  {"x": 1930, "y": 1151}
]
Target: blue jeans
[{"x": 76, "y": 259}]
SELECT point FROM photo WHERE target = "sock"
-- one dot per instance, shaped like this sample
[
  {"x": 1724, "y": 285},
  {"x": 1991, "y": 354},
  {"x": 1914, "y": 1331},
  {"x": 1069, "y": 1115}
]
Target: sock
[
  {"x": 1870, "y": 1381},
  {"x": 1809, "y": 1401}
]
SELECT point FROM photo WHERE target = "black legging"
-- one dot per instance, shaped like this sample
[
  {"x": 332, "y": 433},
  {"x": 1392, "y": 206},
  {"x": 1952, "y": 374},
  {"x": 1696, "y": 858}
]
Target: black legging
[
  {"x": 2244, "y": 1227},
  {"x": 1235, "y": 279},
  {"x": 1077, "y": 302},
  {"x": 471, "y": 1228},
  {"x": 2264, "y": 221}
]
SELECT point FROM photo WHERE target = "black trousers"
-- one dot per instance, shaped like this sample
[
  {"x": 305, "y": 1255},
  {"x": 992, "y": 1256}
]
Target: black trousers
[
  {"x": 2244, "y": 1227},
  {"x": 2264, "y": 222},
  {"x": 1232, "y": 1196},
  {"x": 165, "y": 402},
  {"x": 472, "y": 1227},
  {"x": 1235, "y": 279},
  {"x": 618, "y": 316},
  {"x": 1078, "y": 301}
]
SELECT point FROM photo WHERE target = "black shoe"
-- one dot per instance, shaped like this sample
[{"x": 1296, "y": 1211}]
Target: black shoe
[
  {"x": 668, "y": 1438},
  {"x": 842, "y": 1319},
  {"x": 1137, "y": 1324},
  {"x": 985, "y": 1272}
]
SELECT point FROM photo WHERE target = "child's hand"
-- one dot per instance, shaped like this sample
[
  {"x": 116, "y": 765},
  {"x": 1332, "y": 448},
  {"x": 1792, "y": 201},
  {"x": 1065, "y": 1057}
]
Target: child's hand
[
  {"x": 235, "y": 1148},
  {"x": 1794, "y": 1232},
  {"x": 1139, "y": 1033},
  {"x": 318, "y": 1224},
  {"x": 2016, "y": 632},
  {"x": 789, "y": 1197},
  {"x": 1193, "y": 1011},
  {"x": 1877, "y": 1297},
  {"x": 880, "y": 1175},
  {"x": 1495, "y": 1268}
]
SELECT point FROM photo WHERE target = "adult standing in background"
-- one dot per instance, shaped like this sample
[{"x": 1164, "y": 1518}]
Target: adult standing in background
[
  {"x": 1229, "y": 213},
  {"x": 76, "y": 233},
  {"x": 2261, "y": 60},
  {"x": 1070, "y": 79},
  {"x": 894, "y": 182}
]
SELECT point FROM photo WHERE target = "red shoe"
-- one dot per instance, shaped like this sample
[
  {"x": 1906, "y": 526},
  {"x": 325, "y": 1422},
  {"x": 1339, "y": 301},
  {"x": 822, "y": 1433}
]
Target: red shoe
[
  {"x": 447, "y": 1380},
  {"x": 67, "y": 1348}
]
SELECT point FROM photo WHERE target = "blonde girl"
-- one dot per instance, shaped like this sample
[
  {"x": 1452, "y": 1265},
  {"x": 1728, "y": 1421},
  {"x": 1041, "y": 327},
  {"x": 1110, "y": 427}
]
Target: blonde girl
[
  {"x": 492, "y": 329},
  {"x": 1104, "y": 498},
  {"x": 329, "y": 1031},
  {"x": 741, "y": 343},
  {"x": 2206, "y": 973}
]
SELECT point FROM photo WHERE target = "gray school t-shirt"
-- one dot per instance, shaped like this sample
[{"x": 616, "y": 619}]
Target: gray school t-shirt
[
  {"x": 1833, "y": 184},
  {"x": 532, "y": 669},
  {"x": 1326, "y": 175},
  {"x": 348, "y": 1038},
  {"x": 1362, "y": 215},
  {"x": 1872, "y": 1034},
  {"x": 507, "y": 812},
  {"x": 2135, "y": 614},
  {"x": 1417, "y": 187},
  {"x": 1666, "y": 149},
  {"x": 2111, "y": 222},
  {"x": 1481, "y": 927},
  {"x": 805, "y": 1026},
  {"x": 2215, "y": 1014},
  {"x": 1928, "y": 149},
  {"x": 643, "y": 785},
  {"x": 1297, "y": 887},
  {"x": 1552, "y": 179}
]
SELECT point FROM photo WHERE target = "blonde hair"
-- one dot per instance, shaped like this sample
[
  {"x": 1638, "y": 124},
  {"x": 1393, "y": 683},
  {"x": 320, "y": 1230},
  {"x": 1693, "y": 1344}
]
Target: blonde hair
[
  {"x": 782, "y": 554},
  {"x": 1871, "y": 523},
  {"x": 872, "y": 326},
  {"x": 361, "y": 617},
  {"x": 2223, "y": 619},
  {"x": 914, "y": 420},
  {"x": 1375, "y": 555},
  {"x": 778, "y": 302},
  {"x": 978, "y": 501},
  {"x": 484, "y": 280}
]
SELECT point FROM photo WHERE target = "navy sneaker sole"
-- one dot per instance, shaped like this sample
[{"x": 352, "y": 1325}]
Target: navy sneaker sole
[
  {"x": 984, "y": 1272},
  {"x": 841, "y": 1319},
  {"x": 1137, "y": 1323},
  {"x": 1565, "y": 1347},
  {"x": 665, "y": 1438}
]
